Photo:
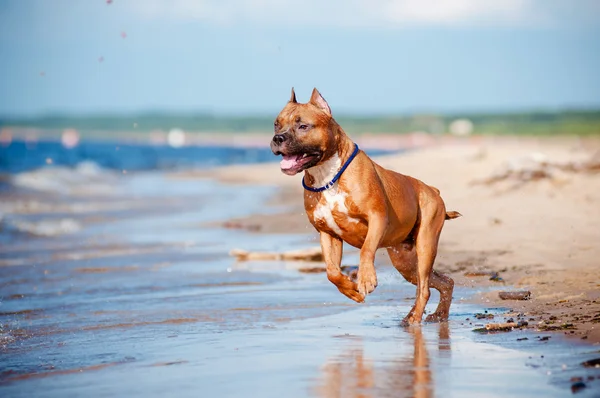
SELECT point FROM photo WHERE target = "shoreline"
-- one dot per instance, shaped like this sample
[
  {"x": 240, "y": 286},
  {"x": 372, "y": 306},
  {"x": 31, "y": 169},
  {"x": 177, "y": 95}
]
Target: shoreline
[{"x": 505, "y": 228}]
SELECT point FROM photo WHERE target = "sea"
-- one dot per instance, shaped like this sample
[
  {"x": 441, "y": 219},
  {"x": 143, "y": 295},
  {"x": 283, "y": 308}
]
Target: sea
[{"x": 21, "y": 156}]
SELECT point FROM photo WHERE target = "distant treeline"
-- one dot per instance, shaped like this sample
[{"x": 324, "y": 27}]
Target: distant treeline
[{"x": 579, "y": 122}]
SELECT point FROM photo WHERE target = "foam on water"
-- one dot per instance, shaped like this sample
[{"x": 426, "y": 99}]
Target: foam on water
[
  {"x": 44, "y": 227},
  {"x": 85, "y": 178}
]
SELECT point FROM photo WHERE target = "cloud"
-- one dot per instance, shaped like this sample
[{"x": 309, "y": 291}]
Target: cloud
[{"x": 372, "y": 13}]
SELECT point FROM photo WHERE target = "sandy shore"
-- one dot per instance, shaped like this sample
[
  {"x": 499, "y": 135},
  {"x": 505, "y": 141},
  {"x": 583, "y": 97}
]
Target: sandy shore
[{"x": 531, "y": 211}]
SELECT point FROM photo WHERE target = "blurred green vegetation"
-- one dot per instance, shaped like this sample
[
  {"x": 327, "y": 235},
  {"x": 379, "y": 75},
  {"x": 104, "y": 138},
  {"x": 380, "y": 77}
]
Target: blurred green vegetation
[{"x": 573, "y": 122}]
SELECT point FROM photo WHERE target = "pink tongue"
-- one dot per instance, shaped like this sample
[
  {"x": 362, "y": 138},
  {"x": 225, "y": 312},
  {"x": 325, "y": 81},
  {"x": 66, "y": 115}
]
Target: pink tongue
[{"x": 288, "y": 162}]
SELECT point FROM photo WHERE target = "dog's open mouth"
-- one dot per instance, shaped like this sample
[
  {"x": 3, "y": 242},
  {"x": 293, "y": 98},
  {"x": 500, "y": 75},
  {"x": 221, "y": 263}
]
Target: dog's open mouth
[{"x": 293, "y": 164}]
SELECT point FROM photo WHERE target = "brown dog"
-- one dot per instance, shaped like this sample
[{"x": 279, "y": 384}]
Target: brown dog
[{"x": 366, "y": 206}]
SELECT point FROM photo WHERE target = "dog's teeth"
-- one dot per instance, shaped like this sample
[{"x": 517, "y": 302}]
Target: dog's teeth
[{"x": 305, "y": 155}]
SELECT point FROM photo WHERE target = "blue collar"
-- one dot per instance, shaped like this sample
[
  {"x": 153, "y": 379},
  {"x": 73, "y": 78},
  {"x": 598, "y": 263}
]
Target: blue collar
[{"x": 337, "y": 176}]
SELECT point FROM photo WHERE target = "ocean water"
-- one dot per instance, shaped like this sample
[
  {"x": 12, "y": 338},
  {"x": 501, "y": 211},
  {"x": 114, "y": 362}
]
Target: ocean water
[
  {"x": 48, "y": 190},
  {"x": 22, "y": 156}
]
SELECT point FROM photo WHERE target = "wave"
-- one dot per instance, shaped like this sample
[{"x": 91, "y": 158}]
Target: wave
[
  {"x": 85, "y": 178},
  {"x": 48, "y": 228}
]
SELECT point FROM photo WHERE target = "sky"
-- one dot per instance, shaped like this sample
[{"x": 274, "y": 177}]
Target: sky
[{"x": 243, "y": 56}]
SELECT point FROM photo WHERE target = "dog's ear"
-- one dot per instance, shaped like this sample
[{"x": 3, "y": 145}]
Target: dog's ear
[
  {"x": 293, "y": 97},
  {"x": 317, "y": 99}
]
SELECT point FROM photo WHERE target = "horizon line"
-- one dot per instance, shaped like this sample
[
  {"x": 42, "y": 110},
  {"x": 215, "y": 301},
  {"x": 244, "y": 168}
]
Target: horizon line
[{"x": 264, "y": 114}]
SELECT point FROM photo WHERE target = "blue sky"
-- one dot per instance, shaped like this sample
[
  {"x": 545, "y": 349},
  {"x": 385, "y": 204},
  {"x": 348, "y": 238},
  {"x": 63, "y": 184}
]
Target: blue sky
[{"x": 243, "y": 56}]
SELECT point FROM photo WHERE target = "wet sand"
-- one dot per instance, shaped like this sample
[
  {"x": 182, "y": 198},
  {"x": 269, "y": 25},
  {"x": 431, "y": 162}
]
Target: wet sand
[{"x": 148, "y": 302}]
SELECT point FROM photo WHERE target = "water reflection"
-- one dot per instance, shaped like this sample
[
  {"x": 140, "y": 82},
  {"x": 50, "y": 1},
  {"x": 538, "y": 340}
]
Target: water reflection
[{"x": 401, "y": 372}]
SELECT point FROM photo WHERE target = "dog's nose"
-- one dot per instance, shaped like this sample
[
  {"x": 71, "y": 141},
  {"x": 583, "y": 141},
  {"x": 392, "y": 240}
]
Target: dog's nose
[{"x": 279, "y": 138}]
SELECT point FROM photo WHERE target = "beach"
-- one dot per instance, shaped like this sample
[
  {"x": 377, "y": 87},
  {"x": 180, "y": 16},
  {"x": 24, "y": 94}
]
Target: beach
[{"x": 123, "y": 284}]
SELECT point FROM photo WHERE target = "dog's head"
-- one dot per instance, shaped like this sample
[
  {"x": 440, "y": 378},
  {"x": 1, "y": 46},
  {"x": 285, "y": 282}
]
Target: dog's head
[{"x": 303, "y": 134}]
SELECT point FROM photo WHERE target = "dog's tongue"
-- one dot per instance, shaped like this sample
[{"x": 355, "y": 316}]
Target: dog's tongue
[{"x": 288, "y": 162}]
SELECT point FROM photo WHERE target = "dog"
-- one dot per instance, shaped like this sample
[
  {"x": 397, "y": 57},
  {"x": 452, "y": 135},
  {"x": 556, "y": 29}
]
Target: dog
[{"x": 350, "y": 198}]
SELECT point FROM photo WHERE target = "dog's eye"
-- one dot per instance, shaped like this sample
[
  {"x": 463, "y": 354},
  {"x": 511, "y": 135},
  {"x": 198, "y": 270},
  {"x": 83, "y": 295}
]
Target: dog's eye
[{"x": 303, "y": 127}]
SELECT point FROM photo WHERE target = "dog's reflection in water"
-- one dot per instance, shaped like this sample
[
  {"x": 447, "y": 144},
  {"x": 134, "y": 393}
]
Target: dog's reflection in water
[{"x": 354, "y": 374}]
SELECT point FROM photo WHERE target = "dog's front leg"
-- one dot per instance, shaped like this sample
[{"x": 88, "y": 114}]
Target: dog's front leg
[
  {"x": 332, "y": 254},
  {"x": 367, "y": 277}
]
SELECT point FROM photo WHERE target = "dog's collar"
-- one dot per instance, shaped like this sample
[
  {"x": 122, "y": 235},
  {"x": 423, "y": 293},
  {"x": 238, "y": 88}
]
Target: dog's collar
[{"x": 337, "y": 176}]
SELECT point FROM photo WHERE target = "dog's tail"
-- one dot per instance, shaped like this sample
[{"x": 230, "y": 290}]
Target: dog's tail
[{"x": 452, "y": 214}]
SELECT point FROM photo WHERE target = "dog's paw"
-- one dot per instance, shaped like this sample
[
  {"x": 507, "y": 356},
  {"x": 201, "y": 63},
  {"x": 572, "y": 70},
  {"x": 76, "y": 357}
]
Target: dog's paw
[
  {"x": 366, "y": 280},
  {"x": 436, "y": 317},
  {"x": 354, "y": 294},
  {"x": 347, "y": 287},
  {"x": 410, "y": 320},
  {"x": 350, "y": 290}
]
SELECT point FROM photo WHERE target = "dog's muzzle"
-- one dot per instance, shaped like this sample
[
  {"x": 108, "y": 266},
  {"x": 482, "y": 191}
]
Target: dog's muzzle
[
  {"x": 277, "y": 142},
  {"x": 279, "y": 138}
]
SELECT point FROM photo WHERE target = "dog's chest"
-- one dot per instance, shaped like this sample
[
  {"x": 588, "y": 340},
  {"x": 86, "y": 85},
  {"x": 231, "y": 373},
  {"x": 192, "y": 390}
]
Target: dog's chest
[
  {"x": 330, "y": 207},
  {"x": 331, "y": 211}
]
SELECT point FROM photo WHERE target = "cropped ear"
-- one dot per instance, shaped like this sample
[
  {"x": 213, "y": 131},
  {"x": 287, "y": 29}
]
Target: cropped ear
[
  {"x": 317, "y": 99},
  {"x": 293, "y": 97}
]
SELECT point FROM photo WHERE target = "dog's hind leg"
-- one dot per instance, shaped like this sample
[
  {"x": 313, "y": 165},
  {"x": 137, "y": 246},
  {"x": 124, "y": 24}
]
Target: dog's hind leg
[
  {"x": 445, "y": 286},
  {"x": 404, "y": 259},
  {"x": 427, "y": 235},
  {"x": 417, "y": 265}
]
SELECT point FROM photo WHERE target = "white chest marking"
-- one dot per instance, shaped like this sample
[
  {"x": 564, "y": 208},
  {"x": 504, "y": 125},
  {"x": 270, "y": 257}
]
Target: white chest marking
[{"x": 334, "y": 200}]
